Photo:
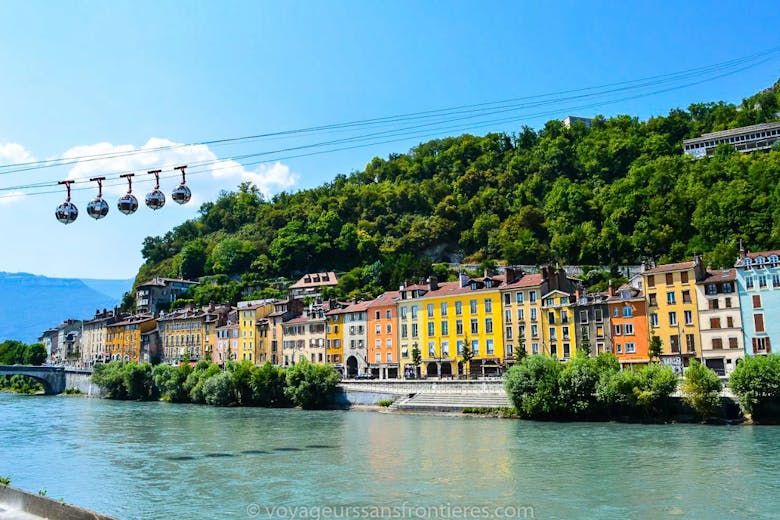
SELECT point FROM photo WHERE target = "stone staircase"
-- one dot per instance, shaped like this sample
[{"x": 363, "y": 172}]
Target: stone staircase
[{"x": 446, "y": 402}]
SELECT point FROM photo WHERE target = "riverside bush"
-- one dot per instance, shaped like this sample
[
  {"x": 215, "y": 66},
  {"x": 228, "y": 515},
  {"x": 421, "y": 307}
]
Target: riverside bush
[
  {"x": 644, "y": 393},
  {"x": 701, "y": 390},
  {"x": 311, "y": 386},
  {"x": 756, "y": 383},
  {"x": 219, "y": 390},
  {"x": 124, "y": 380},
  {"x": 532, "y": 385},
  {"x": 268, "y": 383}
]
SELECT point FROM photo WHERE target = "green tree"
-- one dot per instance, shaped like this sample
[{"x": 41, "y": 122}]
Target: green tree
[
  {"x": 219, "y": 390},
  {"x": 701, "y": 389},
  {"x": 311, "y": 386},
  {"x": 268, "y": 385},
  {"x": 756, "y": 383},
  {"x": 533, "y": 387},
  {"x": 35, "y": 354},
  {"x": 655, "y": 348},
  {"x": 416, "y": 359}
]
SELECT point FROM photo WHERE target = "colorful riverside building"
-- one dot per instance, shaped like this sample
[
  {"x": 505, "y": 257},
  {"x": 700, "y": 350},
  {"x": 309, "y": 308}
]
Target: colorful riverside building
[
  {"x": 758, "y": 282},
  {"x": 304, "y": 336},
  {"x": 352, "y": 321},
  {"x": 720, "y": 321},
  {"x": 672, "y": 307},
  {"x": 123, "y": 338},
  {"x": 440, "y": 319},
  {"x": 284, "y": 310},
  {"x": 253, "y": 330},
  {"x": 520, "y": 301},
  {"x": 190, "y": 333},
  {"x": 382, "y": 341},
  {"x": 628, "y": 321},
  {"x": 93, "y": 337},
  {"x": 592, "y": 323},
  {"x": 227, "y": 340}
]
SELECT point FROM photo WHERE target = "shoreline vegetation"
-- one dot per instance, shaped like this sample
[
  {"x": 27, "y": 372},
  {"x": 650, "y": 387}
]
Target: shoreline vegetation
[{"x": 539, "y": 387}]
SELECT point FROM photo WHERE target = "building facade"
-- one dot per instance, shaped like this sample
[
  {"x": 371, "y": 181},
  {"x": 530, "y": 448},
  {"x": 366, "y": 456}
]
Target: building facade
[
  {"x": 758, "y": 283},
  {"x": 382, "y": 342},
  {"x": 159, "y": 291},
  {"x": 628, "y": 321},
  {"x": 720, "y": 321}
]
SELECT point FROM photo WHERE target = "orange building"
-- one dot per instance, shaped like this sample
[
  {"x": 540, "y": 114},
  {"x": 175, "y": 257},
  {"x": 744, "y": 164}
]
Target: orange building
[
  {"x": 382, "y": 342},
  {"x": 628, "y": 319}
]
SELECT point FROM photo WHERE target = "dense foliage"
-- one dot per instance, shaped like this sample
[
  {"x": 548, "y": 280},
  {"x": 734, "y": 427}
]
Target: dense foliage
[
  {"x": 756, "y": 383},
  {"x": 20, "y": 384},
  {"x": 589, "y": 388},
  {"x": 701, "y": 390},
  {"x": 14, "y": 352},
  {"x": 244, "y": 384},
  {"x": 613, "y": 193}
]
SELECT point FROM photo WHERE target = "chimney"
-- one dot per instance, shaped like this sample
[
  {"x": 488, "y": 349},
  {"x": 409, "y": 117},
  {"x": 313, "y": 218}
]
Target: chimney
[
  {"x": 742, "y": 251},
  {"x": 611, "y": 288},
  {"x": 512, "y": 274},
  {"x": 433, "y": 283},
  {"x": 487, "y": 272},
  {"x": 463, "y": 279},
  {"x": 579, "y": 292}
]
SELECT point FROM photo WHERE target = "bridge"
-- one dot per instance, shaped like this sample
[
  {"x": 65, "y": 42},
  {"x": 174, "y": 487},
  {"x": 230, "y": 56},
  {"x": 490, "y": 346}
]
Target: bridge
[{"x": 52, "y": 378}]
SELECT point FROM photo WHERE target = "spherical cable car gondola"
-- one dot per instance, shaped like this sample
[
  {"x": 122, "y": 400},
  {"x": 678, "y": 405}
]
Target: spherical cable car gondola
[
  {"x": 67, "y": 212},
  {"x": 128, "y": 204},
  {"x": 98, "y": 208},
  {"x": 155, "y": 199},
  {"x": 182, "y": 193}
]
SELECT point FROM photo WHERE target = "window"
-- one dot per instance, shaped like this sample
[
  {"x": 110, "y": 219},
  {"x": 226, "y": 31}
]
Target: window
[
  {"x": 388, "y": 343},
  {"x": 377, "y": 315},
  {"x": 445, "y": 348},
  {"x": 776, "y": 280},
  {"x": 565, "y": 331},
  {"x": 583, "y": 316},
  {"x": 414, "y": 312},
  {"x": 445, "y": 328},
  {"x": 377, "y": 329},
  {"x": 651, "y": 281},
  {"x": 552, "y": 333},
  {"x": 431, "y": 349},
  {"x": 564, "y": 317},
  {"x": 389, "y": 328},
  {"x": 670, "y": 298},
  {"x": 758, "y": 321},
  {"x": 414, "y": 330},
  {"x": 733, "y": 343},
  {"x": 674, "y": 344},
  {"x": 712, "y": 289},
  {"x": 388, "y": 314},
  {"x": 458, "y": 308},
  {"x": 728, "y": 303},
  {"x": 756, "y": 301},
  {"x": 508, "y": 332},
  {"x": 584, "y": 332},
  {"x": 597, "y": 313},
  {"x": 669, "y": 278},
  {"x": 654, "y": 320},
  {"x": 508, "y": 316},
  {"x": 618, "y": 330},
  {"x": 628, "y": 312},
  {"x": 534, "y": 331},
  {"x": 475, "y": 347},
  {"x": 507, "y": 299},
  {"x": 488, "y": 325},
  {"x": 431, "y": 330},
  {"x": 533, "y": 314},
  {"x": 535, "y": 348},
  {"x": 690, "y": 342},
  {"x": 630, "y": 348},
  {"x": 686, "y": 296},
  {"x": 389, "y": 357},
  {"x": 688, "y": 317},
  {"x": 619, "y": 348},
  {"x": 404, "y": 350},
  {"x": 761, "y": 345},
  {"x": 378, "y": 357},
  {"x": 600, "y": 331},
  {"x": 628, "y": 329},
  {"x": 749, "y": 282},
  {"x": 532, "y": 296},
  {"x": 712, "y": 304},
  {"x": 521, "y": 314},
  {"x": 672, "y": 319},
  {"x": 404, "y": 330},
  {"x": 488, "y": 304},
  {"x": 429, "y": 310},
  {"x": 653, "y": 299},
  {"x": 566, "y": 350},
  {"x": 459, "y": 327},
  {"x": 519, "y": 296},
  {"x": 684, "y": 277},
  {"x": 717, "y": 343},
  {"x": 474, "y": 326},
  {"x": 714, "y": 323},
  {"x": 459, "y": 344},
  {"x": 473, "y": 306},
  {"x": 762, "y": 280},
  {"x": 730, "y": 322},
  {"x": 551, "y": 317},
  {"x": 554, "y": 350},
  {"x": 727, "y": 288},
  {"x": 489, "y": 347}
]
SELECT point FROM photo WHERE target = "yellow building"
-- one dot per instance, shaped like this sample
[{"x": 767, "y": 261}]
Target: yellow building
[
  {"x": 190, "y": 333},
  {"x": 671, "y": 296},
  {"x": 123, "y": 339},
  {"x": 557, "y": 327},
  {"x": 441, "y": 319},
  {"x": 253, "y": 329},
  {"x": 521, "y": 303},
  {"x": 334, "y": 339}
]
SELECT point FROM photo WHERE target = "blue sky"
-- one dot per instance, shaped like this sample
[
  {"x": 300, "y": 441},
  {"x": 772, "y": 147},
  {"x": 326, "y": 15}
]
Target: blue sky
[{"x": 85, "y": 77}]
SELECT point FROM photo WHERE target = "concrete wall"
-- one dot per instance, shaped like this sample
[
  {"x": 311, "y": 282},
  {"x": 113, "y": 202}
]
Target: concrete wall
[
  {"x": 13, "y": 499},
  {"x": 415, "y": 387},
  {"x": 81, "y": 379}
]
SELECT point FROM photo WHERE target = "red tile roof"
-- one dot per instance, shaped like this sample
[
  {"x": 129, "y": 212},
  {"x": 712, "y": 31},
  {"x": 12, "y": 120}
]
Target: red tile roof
[
  {"x": 528, "y": 280},
  {"x": 311, "y": 280},
  {"x": 668, "y": 268},
  {"x": 385, "y": 299},
  {"x": 724, "y": 275}
]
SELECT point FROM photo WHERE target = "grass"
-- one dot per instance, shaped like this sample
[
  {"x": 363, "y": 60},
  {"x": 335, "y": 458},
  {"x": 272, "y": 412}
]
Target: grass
[
  {"x": 385, "y": 402},
  {"x": 73, "y": 391},
  {"x": 4, "y": 481},
  {"x": 505, "y": 412}
]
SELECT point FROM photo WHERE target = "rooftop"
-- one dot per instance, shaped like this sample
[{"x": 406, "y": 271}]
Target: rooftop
[
  {"x": 669, "y": 268},
  {"x": 311, "y": 280},
  {"x": 714, "y": 276},
  {"x": 736, "y": 131}
]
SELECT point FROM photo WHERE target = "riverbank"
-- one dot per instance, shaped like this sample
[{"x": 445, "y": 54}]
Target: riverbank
[{"x": 23, "y": 505}]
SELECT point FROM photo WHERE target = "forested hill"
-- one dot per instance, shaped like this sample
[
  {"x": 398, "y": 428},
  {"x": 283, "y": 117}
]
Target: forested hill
[{"x": 614, "y": 193}]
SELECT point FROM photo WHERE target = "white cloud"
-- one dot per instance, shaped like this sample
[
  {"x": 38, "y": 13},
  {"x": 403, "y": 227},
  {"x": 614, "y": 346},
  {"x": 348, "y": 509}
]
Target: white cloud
[
  {"x": 207, "y": 175},
  {"x": 13, "y": 153}
]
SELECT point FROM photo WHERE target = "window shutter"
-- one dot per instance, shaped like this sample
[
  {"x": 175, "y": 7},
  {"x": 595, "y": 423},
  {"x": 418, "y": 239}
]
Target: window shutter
[
  {"x": 758, "y": 319},
  {"x": 768, "y": 349},
  {"x": 755, "y": 345}
]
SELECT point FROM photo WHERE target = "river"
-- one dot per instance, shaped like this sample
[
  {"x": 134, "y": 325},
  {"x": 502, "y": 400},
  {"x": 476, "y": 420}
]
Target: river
[{"x": 163, "y": 461}]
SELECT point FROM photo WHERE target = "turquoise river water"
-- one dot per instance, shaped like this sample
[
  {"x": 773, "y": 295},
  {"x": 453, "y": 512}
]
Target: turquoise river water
[{"x": 162, "y": 461}]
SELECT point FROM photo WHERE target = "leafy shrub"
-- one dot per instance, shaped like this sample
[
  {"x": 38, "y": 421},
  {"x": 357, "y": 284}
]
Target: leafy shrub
[
  {"x": 109, "y": 377},
  {"x": 387, "y": 402},
  {"x": 532, "y": 386},
  {"x": 242, "y": 380},
  {"x": 4, "y": 481},
  {"x": 268, "y": 383},
  {"x": 644, "y": 392},
  {"x": 204, "y": 371},
  {"x": 756, "y": 383},
  {"x": 701, "y": 390},
  {"x": 311, "y": 386},
  {"x": 170, "y": 382},
  {"x": 219, "y": 390}
]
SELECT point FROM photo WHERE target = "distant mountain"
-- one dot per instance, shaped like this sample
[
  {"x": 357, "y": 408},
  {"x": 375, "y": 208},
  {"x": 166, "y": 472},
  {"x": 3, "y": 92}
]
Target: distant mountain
[{"x": 30, "y": 304}]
